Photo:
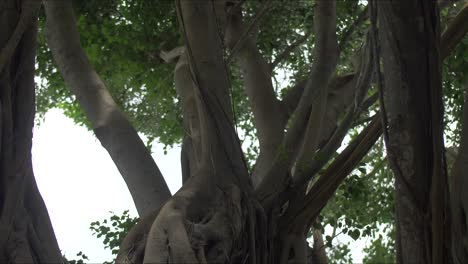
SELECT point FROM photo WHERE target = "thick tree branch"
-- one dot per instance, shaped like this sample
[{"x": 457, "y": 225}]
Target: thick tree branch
[
  {"x": 311, "y": 167},
  {"x": 292, "y": 98},
  {"x": 326, "y": 55},
  {"x": 269, "y": 119},
  {"x": 318, "y": 200},
  {"x": 211, "y": 87},
  {"x": 318, "y": 196},
  {"x": 455, "y": 31},
  {"x": 112, "y": 128}
]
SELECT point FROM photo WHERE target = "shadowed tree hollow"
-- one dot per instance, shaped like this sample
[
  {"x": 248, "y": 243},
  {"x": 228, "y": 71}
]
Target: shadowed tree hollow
[{"x": 292, "y": 117}]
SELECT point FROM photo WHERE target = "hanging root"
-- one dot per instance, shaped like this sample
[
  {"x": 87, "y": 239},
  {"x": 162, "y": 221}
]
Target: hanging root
[{"x": 132, "y": 249}]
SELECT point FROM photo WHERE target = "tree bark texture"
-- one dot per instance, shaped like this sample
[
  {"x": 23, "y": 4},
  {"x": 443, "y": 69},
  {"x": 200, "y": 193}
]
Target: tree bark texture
[
  {"x": 26, "y": 234},
  {"x": 141, "y": 174},
  {"x": 176, "y": 233},
  {"x": 214, "y": 217},
  {"x": 412, "y": 107},
  {"x": 219, "y": 215}
]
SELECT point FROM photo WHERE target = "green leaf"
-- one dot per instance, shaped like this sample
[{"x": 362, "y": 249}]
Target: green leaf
[{"x": 355, "y": 234}]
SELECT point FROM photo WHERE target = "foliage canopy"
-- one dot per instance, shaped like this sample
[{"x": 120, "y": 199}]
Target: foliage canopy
[{"x": 123, "y": 40}]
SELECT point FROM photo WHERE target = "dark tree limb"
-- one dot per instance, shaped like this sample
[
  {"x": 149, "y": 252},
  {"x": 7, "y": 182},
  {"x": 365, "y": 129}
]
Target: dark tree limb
[
  {"x": 293, "y": 96},
  {"x": 322, "y": 190},
  {"x": 413, "y": 126},
  {"x": 26, "y": 233},
  {"x": 141, "y": 174},
  {"x": 326, "y": 55},
  {"x": 455, "y": 32},
  {"x": 326, "y": 41},
  {"x": 211, "y": 86},
  {"x": 28, "y": 13},
  {"x": 333, "y": 143}
]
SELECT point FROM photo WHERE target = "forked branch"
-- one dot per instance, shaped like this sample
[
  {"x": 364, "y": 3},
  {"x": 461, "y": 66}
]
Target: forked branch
[
  {"x": 326, "y": 56},
  {"x": 269, "y": 118},
  {"x": 326, "y": 185}
]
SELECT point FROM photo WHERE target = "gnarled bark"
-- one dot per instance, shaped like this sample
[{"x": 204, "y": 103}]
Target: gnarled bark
[
  {"x": 26, "y": 234},
  {"x": 412, "y": 109},
  {"x": 213, "y": 218}
]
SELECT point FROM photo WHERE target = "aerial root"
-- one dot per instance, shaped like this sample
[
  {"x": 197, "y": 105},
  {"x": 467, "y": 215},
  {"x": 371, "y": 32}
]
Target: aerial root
[{"x": 226, "y": 232}]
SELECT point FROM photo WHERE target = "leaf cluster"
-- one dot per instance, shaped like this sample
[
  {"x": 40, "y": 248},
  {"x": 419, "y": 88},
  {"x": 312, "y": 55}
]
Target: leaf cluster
[{"x": 113, "y": 230}]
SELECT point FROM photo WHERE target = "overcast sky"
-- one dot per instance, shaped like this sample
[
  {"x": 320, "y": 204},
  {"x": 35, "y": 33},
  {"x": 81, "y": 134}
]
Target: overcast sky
[{"x": 80, "y": 183}]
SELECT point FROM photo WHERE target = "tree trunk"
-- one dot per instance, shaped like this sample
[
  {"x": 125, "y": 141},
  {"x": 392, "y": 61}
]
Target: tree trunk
[
  {"x": 26, "y": 234},
  {"x": 412, "y": 107}
]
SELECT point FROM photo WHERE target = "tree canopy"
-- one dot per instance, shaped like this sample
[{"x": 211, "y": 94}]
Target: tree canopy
[{"x": 301, "y": 90}]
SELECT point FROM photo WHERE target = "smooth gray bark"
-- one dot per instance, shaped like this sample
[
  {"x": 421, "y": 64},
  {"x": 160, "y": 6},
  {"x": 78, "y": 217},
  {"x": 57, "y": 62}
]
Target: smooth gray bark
[
  {"x": 258, "y": 85},
  {"x": 141, "y": 174}
]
